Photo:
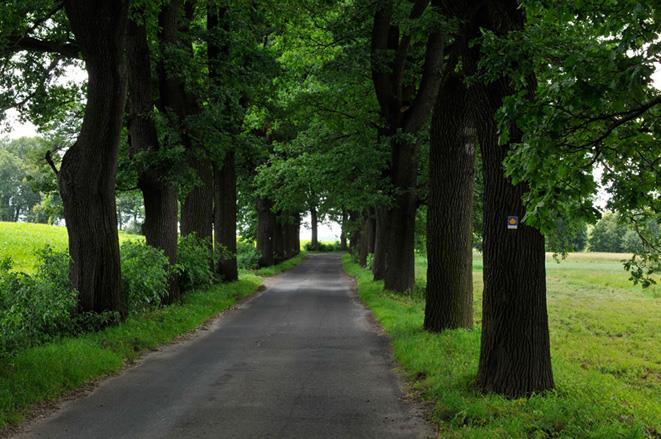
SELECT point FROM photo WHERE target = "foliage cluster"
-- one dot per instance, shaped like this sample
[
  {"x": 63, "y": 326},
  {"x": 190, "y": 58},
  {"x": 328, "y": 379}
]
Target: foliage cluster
[
  {"x": 195, "y": 262},
  {"x": 38, "y": 307},
  {"x": 35, "y": 308}
]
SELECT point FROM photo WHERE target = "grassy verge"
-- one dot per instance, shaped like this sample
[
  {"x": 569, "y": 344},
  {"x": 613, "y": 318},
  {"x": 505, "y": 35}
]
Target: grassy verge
[
  {"x": 47, "y": 372},
  {"x": 605, "y": 359},
  {"x": 286, "y": 265}
]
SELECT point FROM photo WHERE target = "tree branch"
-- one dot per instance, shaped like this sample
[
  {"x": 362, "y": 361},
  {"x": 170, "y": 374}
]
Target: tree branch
[{"x": 65, "y": 48}]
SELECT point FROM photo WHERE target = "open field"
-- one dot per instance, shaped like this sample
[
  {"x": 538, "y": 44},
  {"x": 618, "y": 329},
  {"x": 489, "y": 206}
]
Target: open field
[
  {"x": 605, "y": 348},
  {"x": 20, "y": 241}
]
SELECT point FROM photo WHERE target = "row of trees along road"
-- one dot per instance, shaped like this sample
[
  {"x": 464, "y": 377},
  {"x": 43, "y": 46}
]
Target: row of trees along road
[{"x": 231, "y": 114}]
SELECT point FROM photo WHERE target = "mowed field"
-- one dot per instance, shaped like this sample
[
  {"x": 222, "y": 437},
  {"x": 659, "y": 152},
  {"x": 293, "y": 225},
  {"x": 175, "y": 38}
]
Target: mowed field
[
  {"x": 605, "y": 347},
  {"x": 20, "y": 241}
]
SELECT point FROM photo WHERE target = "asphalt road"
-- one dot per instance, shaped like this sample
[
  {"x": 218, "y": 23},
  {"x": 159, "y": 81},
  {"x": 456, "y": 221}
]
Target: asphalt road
[{"x": 301, "y": 360}]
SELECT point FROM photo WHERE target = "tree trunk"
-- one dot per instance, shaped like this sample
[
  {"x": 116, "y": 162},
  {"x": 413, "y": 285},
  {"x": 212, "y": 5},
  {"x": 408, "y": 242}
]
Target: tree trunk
[
  {"x": 197, "y": 208},
  {"x": 225, "y": 221},
  {"x": 449, "y": 298},
  {"x": 265, "y": 226},
  {"x": 297, "y": 235},
  {"x": 180, "y": 104},
  {"x": 399, "y": 272},
  {"x": 314, "y": 241},
  {"x": 371, "y": 232},
  {"x": 363, "y": 244},
  {"x": 343, "y": 233},
  {"x": 278, "y": 243},
  {"x": 515, "y": 357},
  {"x": 87, "y": 176},
  {"x": 380, "y": 243},
  {"x": 160, "y": 198}
]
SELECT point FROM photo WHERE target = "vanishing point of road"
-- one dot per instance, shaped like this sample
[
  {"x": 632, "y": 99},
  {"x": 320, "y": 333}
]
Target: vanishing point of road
[{"x": 300, "y": 360}]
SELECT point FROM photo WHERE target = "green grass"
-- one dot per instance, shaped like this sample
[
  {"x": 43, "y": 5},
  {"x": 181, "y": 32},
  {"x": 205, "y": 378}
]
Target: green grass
[
  {"x": 605, "y": 348},
  {"x": 47, "y": 372},
  {"x": 285, "y": 265},
  {"x": 20, "y": 241}
]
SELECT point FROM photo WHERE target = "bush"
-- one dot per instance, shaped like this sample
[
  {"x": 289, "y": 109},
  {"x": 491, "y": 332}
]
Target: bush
[
  {"x": 145, "y": 272},
  {"x": 323, "y": 247},
  {"x": 247, "y": 256},
  {"x": 195, "y": 262},
  {"x": 35, "y": 308}
]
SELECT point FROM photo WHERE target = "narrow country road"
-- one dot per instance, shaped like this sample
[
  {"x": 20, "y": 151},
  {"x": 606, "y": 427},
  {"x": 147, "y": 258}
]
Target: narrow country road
[{"x": 302, "y": 360}]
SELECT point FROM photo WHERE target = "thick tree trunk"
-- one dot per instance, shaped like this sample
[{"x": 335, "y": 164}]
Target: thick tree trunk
[
  {"x": 87, "y": 176},
  {"x": 314, "y": 241},
  {"x": 160, "y": 198},
  {"x": 297, "y": 235},
  {"x": 343, "y": 233},
  {"x": 278, "y": 241},
  {"x": 197, "y": 208},
  {"x": 371, "y": 232},
  {"x": 225, "y": 218},
  {"x": 399, "y": 272},
  {"x": 380, "y": 243},
  {"x": 363, "y": 246},
  {"x": 515, "y": 357},
  {"x": 449, "y": 298},
  {"x": 265, "y": 229}
]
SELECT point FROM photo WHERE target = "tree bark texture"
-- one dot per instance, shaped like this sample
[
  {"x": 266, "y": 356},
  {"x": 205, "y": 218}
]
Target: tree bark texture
[
  {"x": 515, "y": 355},
  {"x": 314, "y": 241},
  {"x": 343, "y": 233},
  {"x": 399, "y": 272},
  {"x": 265, "y": 230},
  {"x": 225, "y": 217},
  {"x": 380, "y": 241},
  {"x": 87, "y": 176},
  {"x": 449, "y": 297}
]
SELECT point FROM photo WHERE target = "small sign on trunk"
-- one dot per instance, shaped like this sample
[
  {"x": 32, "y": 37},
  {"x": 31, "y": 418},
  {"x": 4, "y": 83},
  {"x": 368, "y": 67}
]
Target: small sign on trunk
[{"x": 512, "y": 222}]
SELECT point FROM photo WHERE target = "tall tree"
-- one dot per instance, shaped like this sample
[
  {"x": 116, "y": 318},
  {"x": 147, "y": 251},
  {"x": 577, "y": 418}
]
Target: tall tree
[
  {"x": 405, "y": 109},
  {"x": 515, "y": 355},
  {"x": 87, "y": 175},
  {"x": 225, "y": 207},
  {"x": 179, "y": 100},
  {"x": 159, "y": 195}
]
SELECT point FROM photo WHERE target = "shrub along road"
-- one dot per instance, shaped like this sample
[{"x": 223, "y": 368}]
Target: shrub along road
[{"x": 300, "y": 360}]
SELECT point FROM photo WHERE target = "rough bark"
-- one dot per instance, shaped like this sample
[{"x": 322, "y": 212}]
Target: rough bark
[
  {"x": 278, "y": 240},
  {"x": 399, "y": 274},
  {"x": 371, "y": 232},
  {"x": 449, "y": 297},
  {"x": 363, "y": 244},
  {"x": 160, "y": 198},
  {"x": 265, "y": 228},
  {"x": 515, "y": 355},
  {"x": 225, "y": 218},
  {"x": 180, "y": 104},
  {"x": 380, "y": 243},
  {"x": 314, "y": 241},
  {"x": 87, "y": 176},
  {"x": 343, "y": 233}
]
